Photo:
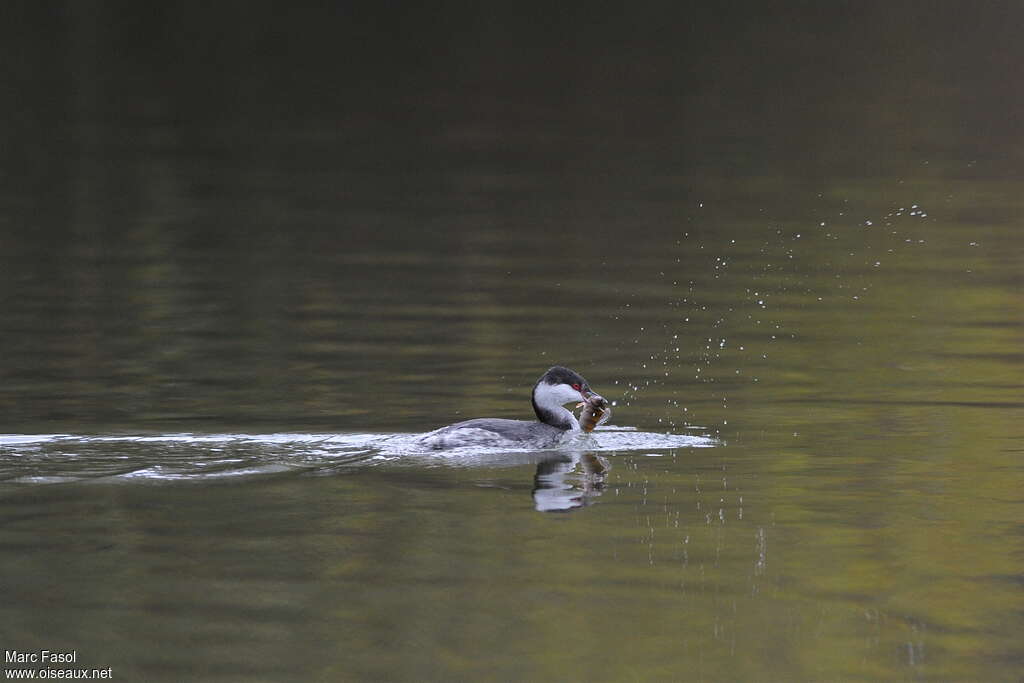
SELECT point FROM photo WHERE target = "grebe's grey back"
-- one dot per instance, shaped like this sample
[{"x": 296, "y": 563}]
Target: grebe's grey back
[{"x": 555, "y": 388}]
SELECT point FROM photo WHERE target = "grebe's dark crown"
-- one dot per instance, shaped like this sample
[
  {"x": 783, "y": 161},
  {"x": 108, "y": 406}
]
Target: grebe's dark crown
[{"x": 559, "y": 374}]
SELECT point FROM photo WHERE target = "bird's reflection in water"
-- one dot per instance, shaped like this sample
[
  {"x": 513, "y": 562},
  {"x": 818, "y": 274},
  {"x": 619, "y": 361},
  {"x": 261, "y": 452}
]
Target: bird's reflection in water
[{"x": 567, "y": 482}]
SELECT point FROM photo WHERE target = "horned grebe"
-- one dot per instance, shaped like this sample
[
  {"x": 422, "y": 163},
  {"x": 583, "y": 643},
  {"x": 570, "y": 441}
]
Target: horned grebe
[{"x": 555, "y": 388}]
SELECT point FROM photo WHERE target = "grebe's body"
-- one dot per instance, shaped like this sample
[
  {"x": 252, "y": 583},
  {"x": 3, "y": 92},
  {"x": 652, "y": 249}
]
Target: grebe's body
[{"x": 553, "y": 390}]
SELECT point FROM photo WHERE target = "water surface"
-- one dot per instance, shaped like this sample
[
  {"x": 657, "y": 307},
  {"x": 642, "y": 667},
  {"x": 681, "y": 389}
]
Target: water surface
[{"x": 240, "y": 272}]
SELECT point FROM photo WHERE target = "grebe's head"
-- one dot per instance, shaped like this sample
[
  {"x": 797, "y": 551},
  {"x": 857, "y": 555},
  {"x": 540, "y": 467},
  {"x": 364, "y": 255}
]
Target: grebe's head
[
  {"x": 554, "y": 389},
  {"x": 562, "y": 385}
]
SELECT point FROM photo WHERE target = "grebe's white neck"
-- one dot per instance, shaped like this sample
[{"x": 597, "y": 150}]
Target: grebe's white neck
[{"x": 548, "y": 400}]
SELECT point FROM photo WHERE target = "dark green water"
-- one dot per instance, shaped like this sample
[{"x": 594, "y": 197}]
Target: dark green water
[{"x": 247, "y": 252}]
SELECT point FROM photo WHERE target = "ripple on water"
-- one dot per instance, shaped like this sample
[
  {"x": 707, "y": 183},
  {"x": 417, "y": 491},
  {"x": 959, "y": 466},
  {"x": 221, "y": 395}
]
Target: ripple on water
[{"x": 63, "y": 458}]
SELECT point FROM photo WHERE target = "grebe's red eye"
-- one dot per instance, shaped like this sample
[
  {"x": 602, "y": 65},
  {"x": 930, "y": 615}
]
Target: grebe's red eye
[{"x": 576, "y": 387}]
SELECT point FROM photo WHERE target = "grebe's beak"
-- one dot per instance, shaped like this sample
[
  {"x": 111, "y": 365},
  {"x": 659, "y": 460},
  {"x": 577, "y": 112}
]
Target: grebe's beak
[{"x": 585, "y": 394}]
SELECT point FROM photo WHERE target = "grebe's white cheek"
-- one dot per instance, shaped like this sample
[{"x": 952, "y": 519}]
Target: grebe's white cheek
[{"x": 557, "y": 394}]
